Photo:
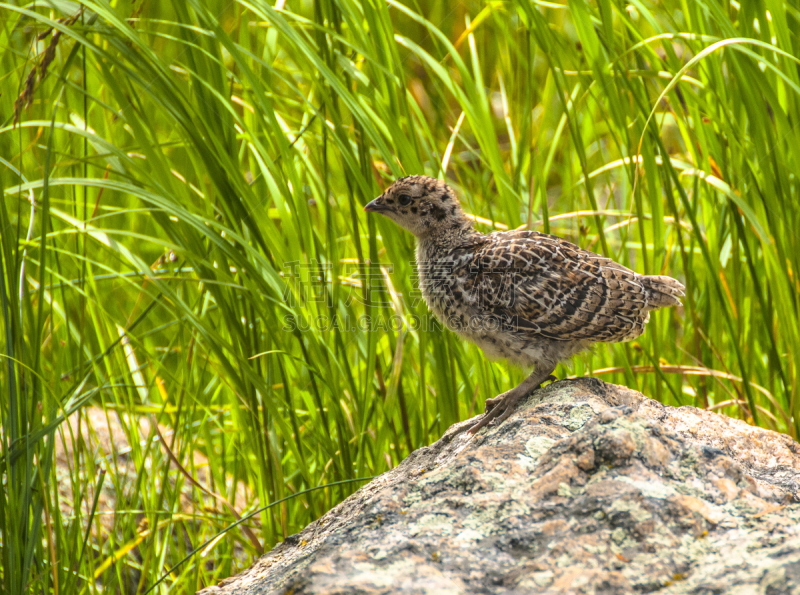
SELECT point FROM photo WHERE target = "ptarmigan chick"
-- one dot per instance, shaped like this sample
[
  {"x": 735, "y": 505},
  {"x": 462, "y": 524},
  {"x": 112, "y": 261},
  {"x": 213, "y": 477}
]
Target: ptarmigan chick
[{"x": 531, "y": 298}]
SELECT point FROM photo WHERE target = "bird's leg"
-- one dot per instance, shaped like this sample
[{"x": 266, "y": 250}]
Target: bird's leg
[
  {"x": 502, "y": 406},
  {"x": 492, "y": 403}
]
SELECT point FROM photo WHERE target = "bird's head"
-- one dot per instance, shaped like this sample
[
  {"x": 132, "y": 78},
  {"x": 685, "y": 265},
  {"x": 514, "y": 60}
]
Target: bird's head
[{"x": 420, "y": 204}]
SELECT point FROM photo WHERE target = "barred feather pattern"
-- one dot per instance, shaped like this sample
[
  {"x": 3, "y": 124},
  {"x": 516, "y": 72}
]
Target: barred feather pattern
[
  {"x": 528, "y": 297},
  {"x": 531, "y": 297}
]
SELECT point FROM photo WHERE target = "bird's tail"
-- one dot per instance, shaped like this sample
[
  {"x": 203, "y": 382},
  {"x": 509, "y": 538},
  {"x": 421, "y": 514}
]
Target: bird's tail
[{"x": 663, "y": 291}]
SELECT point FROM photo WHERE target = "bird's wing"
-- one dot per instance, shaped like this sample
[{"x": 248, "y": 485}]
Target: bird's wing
[{"x": 542, "y": 285}]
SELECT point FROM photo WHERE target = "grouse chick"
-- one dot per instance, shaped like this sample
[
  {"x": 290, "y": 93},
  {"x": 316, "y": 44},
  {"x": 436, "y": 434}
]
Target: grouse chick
[{"x": 531, "y": 298}]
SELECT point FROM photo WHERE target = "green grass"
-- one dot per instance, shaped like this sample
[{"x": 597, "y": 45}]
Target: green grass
[{"x": 197, "y": 168}]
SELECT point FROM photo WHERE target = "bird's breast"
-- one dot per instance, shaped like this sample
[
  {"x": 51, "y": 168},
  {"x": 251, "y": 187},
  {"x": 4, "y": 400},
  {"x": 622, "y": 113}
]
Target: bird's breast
[
  {"x": 476, "y": 311},
  {"x": 456, "y": 301}
]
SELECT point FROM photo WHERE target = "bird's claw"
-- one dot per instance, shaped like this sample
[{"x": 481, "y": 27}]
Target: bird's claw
[
  {"x": 500, "y": 409},
  {"x": 488, "y": 418},
  {"x": 492, "y": 403}
]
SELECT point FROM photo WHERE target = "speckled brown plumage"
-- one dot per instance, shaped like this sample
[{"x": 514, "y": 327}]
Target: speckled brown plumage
[{"x": 528, "y": 297}]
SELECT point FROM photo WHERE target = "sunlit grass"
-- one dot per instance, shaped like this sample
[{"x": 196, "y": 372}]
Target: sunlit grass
[{"x": 196, "y": 254}]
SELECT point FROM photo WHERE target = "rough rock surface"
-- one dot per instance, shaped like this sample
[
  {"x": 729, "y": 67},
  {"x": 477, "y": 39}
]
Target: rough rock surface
[{"x": 587, "y": 488}]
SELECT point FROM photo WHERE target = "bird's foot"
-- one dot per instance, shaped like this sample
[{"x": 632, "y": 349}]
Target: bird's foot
[
  {"x": 502, "y": 406},
  {"x": 500, "y": 409},
  {"x": 492, "y": 403}
]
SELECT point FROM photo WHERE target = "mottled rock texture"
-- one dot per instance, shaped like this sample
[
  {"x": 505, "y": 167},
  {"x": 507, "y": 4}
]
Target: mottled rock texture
[{"x": 587, "y": 488}]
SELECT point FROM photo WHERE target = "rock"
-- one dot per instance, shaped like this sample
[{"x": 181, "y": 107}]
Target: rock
[{"x": 587, "y": 488}]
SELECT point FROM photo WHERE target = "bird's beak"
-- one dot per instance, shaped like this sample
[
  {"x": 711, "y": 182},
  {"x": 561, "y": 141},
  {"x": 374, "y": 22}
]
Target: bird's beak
[{"x": 375, "y": 206}]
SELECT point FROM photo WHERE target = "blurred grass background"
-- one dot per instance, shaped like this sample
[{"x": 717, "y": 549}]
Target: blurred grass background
[{"x": 183, "y": 243}]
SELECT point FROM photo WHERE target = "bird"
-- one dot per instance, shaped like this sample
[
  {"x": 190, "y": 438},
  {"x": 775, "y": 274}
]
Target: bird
[{"x": 530, "y": 298}]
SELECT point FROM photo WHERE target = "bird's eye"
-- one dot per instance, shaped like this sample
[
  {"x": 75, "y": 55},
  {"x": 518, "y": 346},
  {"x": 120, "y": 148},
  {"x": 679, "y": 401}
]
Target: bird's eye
[{"x": 404, "y": 200}]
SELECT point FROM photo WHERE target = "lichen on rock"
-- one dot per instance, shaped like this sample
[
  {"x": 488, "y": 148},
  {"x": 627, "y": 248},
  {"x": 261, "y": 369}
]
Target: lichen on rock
[{"x": 587, "y": 488}]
